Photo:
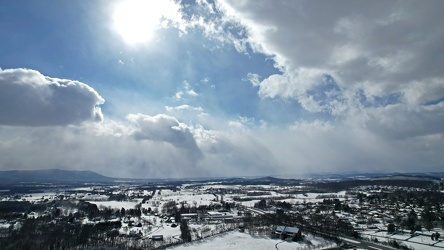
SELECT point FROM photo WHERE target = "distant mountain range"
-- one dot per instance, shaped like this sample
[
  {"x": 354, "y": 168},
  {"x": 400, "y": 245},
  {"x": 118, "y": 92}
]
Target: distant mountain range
[
  {"x": 376, "y": 176},
  {"x": 71, "y": 176},
  {"x": 51, "y": 175}
]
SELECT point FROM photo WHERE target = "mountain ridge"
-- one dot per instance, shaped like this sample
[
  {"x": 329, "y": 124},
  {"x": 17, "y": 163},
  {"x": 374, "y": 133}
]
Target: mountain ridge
[{"x": 52, "y": 175}]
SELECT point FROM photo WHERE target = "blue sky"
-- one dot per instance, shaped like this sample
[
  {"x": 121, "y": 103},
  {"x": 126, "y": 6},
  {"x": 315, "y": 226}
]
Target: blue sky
[{"x": 221, "y": 88}]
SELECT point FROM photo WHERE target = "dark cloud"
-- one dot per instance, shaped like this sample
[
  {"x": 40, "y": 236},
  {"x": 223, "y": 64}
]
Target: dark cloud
[{"x": 28, "y": 98}]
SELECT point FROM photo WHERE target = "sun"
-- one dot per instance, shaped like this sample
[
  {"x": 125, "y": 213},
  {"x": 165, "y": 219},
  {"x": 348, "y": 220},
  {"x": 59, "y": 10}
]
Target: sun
[{"x": 137, "y": 20}]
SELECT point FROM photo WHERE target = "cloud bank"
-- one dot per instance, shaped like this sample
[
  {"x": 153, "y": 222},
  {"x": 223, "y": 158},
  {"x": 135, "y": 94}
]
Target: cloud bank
[{"x": 28, "y": 98}]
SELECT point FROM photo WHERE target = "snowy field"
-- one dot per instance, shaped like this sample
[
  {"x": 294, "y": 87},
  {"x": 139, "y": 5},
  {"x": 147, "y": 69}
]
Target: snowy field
[
  {"x": 237, "y": 240},
  {"x": 189, "y": 198},
  {"x": 39, "y": 196},
  {"x": 297, "y": 198},
  {"x": 115, "y": 204}
]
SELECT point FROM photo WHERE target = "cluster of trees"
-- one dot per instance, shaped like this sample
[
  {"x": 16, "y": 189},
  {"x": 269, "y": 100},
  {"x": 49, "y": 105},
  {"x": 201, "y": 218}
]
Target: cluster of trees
[
  {"x": 170, "y": 207},
  {"x": 250, "y": 198},
  {"x": 136, "y": 211},
  {"x": 58, "y": 225},
  {"x": 10, "y": 210},
  {"x": 262, "y": 204},
  {"x": 435, "y": 236},
  {"x": 44, "y": 233}
]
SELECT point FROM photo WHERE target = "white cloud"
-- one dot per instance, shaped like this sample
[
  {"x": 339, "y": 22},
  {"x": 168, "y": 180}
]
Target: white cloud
[
  {"x": 186, "y": 90},
  {"x": 184, "y": 107},
  {"x": 29, "y": 98},
  {"x": 254, "y": 79},
  {"x": 162, "y": 128}
]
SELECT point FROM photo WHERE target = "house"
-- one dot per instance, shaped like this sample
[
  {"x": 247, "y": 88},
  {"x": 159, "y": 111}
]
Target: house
[
  {"x": 188, "y": 216},
  {"x": 284, "y": 232},
  {"x": 158, "y": 237},
  {"x": 133, "y": 233},
  {"x": 218, "y": 216}
]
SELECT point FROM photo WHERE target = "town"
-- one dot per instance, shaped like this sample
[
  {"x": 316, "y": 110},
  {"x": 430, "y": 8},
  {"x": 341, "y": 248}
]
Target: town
[{"x": 381, "y": 213}]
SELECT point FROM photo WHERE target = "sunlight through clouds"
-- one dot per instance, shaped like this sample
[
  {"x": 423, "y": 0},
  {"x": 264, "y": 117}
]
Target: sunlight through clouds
[{"x": 137, "y": 20}]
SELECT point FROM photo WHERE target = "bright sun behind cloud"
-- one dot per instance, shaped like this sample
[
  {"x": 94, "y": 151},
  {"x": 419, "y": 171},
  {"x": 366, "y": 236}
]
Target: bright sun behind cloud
[{"x": 137, "y": 20}]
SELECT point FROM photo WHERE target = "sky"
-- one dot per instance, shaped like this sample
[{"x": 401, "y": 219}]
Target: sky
[{"x": 213, "y": 88}]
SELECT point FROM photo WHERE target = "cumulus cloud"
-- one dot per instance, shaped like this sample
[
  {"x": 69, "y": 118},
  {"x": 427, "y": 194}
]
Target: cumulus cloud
[
  {"x": 29, "y": 98},
  {"x": 164, "y": 128}
]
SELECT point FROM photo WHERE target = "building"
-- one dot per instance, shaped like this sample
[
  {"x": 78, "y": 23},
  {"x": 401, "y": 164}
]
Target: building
[
  {"x": 219, "y": 216},
  {"x": 188, "y": 216},
  {"x": 157, "y": 237},
  {"x": 284, "y": 232}
]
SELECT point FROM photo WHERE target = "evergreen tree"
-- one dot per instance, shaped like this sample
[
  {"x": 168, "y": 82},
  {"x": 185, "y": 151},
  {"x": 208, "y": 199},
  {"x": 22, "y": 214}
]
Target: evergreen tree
[{"x": 185, "y": 233}]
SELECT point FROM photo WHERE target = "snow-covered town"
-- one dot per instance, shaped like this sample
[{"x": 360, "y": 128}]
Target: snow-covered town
[{"x": 274, "y": 213}]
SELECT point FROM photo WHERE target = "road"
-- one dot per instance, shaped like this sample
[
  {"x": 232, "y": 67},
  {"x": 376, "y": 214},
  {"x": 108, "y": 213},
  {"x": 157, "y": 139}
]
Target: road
[
  {"x": 365, "y": 244},
  {"x": 255, "y": 210}
]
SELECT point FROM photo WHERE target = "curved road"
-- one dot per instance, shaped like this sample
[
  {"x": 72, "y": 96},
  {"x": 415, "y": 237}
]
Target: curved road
[
  {"x": 351, "y": 241},
  {"x": 276, "y": 246}
]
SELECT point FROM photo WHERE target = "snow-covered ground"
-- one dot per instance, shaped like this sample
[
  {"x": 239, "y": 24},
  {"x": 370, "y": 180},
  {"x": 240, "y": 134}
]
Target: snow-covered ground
[
  {"x": 238, "y": 240},
  {"x": 297, "y": 198},
  {"x": 115, "y": 204},
  {"x": 189, "y": 198},
  {"x": 39, "y": 196},
  {"x": 4, "y": 225},
  {"x": 417, "y": 242}
]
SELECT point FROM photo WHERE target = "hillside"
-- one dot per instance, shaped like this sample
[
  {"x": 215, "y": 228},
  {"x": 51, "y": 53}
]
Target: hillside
[{"x": 51, "y": 175}]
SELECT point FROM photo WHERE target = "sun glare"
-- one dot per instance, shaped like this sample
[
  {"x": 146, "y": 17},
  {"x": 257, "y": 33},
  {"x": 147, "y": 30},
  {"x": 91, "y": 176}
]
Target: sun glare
[{"x": 137, "y": 20}]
